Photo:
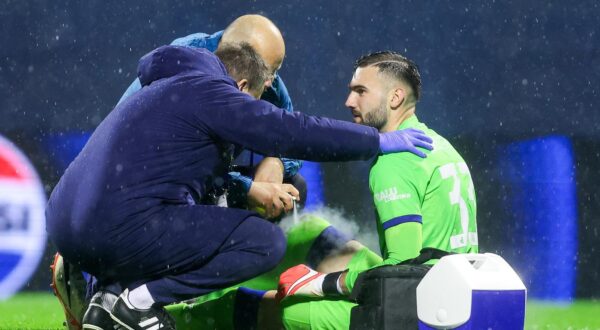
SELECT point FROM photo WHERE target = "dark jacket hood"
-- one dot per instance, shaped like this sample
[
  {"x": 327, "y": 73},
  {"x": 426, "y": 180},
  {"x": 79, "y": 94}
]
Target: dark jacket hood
[{"x": 169, "y": 61}]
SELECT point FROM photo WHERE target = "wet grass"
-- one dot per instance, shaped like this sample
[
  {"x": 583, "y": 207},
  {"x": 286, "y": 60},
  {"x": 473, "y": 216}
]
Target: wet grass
[
  {"x": 582, "y": 314},
  {"x": 40, "y": 310},
  {"x": 31, "y": 310}
]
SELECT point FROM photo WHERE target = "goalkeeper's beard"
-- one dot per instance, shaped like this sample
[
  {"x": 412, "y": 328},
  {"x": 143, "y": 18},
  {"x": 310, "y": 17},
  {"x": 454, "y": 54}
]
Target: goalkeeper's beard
[{"x": 377, "y": 117}]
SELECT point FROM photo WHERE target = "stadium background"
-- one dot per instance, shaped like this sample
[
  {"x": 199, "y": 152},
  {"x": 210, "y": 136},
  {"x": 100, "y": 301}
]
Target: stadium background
[{"x": 513, "y": 84}]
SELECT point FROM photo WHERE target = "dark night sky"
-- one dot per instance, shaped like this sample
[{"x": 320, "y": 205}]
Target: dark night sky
[{"x": 510, "y": 68}]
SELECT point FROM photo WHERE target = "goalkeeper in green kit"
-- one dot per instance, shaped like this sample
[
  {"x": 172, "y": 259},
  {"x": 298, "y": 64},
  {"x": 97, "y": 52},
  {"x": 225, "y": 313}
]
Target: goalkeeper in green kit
[{"x": 420, "y": 202}]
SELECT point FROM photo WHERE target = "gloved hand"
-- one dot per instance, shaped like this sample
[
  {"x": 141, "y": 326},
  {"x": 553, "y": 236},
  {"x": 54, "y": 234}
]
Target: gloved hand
[
  {"x": 300, "y": 280},
  {"x": 405, "y": 140}
]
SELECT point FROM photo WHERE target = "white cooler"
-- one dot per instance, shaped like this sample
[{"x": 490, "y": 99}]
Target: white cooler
[{"x": 471, "y": 291}]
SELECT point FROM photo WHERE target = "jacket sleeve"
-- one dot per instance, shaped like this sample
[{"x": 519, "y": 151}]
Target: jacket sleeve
[
  {"x": 261, "y": 127},
  {"x": 134, "y": 87},
  {"x": 200, "y": 40},
  {"x": 279, "y": 96}
]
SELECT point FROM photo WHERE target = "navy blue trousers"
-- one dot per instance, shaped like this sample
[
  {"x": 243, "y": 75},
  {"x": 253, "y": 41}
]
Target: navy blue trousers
[
  {"x": 180, "y": 252},
  {"x": 255, "y": 247}
]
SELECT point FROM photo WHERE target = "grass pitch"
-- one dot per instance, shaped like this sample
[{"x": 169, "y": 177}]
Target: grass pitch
[
  {"x": 31, "y": 310},
  {"x": 41, "y": 310},
  {"x": 582, "y": 314}
]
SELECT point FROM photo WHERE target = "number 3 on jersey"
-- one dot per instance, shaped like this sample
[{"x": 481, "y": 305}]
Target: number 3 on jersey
[{"x": 459, "y": 173}]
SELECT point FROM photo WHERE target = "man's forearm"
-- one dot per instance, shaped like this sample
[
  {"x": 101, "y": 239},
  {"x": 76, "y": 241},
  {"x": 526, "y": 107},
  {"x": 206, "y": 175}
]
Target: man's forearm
[{"x": 270, "y": 169}]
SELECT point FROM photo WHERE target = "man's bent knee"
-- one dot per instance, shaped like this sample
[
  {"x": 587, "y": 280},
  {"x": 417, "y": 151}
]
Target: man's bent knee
[
  {"x": 268, "y": 241},
  {"x": 278, "y": 247}
]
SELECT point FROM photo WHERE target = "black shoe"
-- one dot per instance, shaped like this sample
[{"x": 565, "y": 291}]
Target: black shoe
[
  {"x": 128, "y": 317},
  {"x": 97, "y": 316}
]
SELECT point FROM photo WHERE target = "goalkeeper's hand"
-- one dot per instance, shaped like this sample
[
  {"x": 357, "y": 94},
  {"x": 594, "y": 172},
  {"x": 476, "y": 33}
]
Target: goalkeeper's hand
[{"x": 300, "y": 280}]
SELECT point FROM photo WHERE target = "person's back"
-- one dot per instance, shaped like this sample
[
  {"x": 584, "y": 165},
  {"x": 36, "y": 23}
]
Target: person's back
[
  {"x": 437, "y": 189},
  {"x": 149, "y": 147},
  {"x": 252, "y": 170}
]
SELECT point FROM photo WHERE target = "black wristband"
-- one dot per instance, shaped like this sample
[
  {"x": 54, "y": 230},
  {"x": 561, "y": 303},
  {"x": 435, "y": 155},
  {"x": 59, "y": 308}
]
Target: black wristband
[{"x": 330, "y": 284}]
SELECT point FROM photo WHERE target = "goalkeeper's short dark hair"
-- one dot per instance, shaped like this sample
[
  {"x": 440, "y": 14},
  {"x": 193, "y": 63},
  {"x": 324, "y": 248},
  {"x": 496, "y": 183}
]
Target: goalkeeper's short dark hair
[
  {"x": 395, "y": 66},
  {"x": 243, "y": 62}
]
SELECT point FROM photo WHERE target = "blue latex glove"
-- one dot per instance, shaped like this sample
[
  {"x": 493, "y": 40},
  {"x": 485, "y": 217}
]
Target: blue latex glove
[{"x": 405, "y": 140}]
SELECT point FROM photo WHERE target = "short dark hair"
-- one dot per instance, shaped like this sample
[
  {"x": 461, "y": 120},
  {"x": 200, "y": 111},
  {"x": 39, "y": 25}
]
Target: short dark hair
[
  {"x": 395, "y": 66},
  {"x": 243, "y": 62}
]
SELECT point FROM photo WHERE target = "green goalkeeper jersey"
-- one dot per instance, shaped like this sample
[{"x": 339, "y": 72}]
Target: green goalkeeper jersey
[{"x": 422, "y": 202}]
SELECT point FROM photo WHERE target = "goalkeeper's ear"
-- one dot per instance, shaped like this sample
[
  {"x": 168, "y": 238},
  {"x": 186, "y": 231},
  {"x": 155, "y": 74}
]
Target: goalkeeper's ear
[{"x": 396, "y": 97}]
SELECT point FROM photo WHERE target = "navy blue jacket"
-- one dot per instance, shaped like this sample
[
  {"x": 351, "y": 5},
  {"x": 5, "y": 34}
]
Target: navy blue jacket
[
  {"x": 276, "y": 94},
  {"x": 171, "y": 143}
]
